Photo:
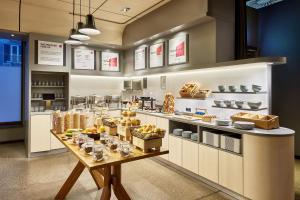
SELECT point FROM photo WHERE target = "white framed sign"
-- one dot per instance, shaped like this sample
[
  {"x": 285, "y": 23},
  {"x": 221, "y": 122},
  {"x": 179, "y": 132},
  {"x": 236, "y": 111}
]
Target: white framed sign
[
  {"x": 178, "y": 50},
  {"x": 156, "y": 57},
  {"x": 50, "y": 53},
  {"x": 84, "y": 59},
  {"x": 140, "y": 58},
  {"x": 110, "y": 61}
]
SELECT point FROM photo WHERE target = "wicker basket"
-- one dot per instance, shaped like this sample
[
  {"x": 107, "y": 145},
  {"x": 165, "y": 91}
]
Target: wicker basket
[
  {"x": 202, "y": 94},
  {"x": 261, "y": 121}
]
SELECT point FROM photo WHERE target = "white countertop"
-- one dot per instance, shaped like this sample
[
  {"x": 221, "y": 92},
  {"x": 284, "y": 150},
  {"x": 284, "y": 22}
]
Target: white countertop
[{"x": 256, "y": 131}]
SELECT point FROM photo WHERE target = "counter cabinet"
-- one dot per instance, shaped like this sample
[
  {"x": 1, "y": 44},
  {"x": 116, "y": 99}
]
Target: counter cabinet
[{"x": 264, "y": 170}]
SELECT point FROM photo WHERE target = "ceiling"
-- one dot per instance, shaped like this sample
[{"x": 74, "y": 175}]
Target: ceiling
[{"x": 54, "y": 16}]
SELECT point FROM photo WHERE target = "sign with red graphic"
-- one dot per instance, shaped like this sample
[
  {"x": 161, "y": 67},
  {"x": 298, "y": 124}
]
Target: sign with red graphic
[
  {"x": 156, "y": 55},
  {"x": 110, "y": 61},
  {"x": 84, "y": 59},
  {"x": 140, "y": 58},
  {"x": 178, "y": 50},
  {"x": 50, "y": 53}
]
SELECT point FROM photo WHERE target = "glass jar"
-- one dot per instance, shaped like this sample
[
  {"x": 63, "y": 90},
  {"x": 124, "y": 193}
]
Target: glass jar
[
  {"x": 81, "y": 139},
  {"x": 75, "y": 136},
  {"x": 125, "y": 148},
  {"x": 104, "y": 137},
  {"x": 98, "y": 152},
  {"x": 88, "y": 145},
  {"x": 112, "y": 143}
]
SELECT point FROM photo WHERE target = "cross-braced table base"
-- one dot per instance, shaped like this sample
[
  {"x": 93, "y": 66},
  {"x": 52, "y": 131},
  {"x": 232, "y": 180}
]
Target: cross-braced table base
[{"x": 108, "y": 177}]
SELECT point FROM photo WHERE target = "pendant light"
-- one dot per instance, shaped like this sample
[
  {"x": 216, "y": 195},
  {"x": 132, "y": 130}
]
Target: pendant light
[
  {"x": 70, "y": 40},
  {"x": 78, "y": 35},
  {"x": 90, "y": 27}
]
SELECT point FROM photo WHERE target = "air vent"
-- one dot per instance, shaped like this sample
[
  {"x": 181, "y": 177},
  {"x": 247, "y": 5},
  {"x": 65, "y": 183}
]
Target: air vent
[{"x": 257, "y": 4}]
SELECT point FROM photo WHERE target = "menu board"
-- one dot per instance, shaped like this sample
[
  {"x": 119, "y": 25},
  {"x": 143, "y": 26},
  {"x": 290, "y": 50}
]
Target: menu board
[
  {"x": 84, "y": 59},
  {"x": 50, "y": 53},
  {"x": 178, "y": 50},
  {"x": 156, "y": 55},
  {"x": 110, "y": 61},
  {"x": 140, "y": 58}
]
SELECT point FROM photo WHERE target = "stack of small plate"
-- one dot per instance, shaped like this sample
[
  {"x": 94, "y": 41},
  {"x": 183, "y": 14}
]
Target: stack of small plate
[
  {"x": 244, "y": 125},
  {"x": 194, "y": 136}
]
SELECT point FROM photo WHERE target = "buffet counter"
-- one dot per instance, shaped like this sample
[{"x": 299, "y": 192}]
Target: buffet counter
[{"x": 262, "y": 170}]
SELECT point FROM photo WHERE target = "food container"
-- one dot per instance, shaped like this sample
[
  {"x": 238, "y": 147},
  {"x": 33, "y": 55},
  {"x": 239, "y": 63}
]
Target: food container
[
  {"x": 222, "y": 122},
  {"x": 244, "y": 125},
  {"x": 83, "y": 121},
  {"x": 98, "y": 152},
  {"x": 254, "y": 104},
  {"x": 125, "y": 149},
  {"x": 113, "y": 144},
  {"x": 76, "y": 120},
  {"x": 195, "y": 136},
  {"x": 187, "y": 134},
  {"x": 75, "y": 136},
  {"x": 88, "y": 145},
  {"x": 67, "y": 121},
  {"x": 211, "y": 138},
  {"x": 81, "y": 139},
  {"x": 231, "y": 142},
  {"x": 178, "y": 132},
  {"x": 261, "y": 121}
]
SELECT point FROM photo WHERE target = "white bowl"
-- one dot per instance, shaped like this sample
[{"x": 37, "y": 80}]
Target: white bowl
[
  {"x": 223, "y": 122},
  {"x": 244, "y": 125}
]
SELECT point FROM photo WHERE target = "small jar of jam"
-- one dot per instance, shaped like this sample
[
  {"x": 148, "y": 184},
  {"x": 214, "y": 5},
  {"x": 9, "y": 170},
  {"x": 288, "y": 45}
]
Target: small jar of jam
[{"x": 98, "y": 152}]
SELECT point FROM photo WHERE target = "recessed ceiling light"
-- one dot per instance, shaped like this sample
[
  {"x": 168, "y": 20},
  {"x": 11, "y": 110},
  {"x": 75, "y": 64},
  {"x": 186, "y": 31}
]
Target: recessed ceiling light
[
  {"x": 126, "y": 9},
  {"x": 12, "y": 35}
]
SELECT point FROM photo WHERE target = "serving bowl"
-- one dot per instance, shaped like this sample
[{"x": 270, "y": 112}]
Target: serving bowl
[
  {"x": 229, "y": 103},
  {"x": 254, "y": 104},
  {"x": 243, "y": 88},
  {"x": 223, "y": 122},
  {"x": 221, "y": 88},
  {"x": 232, "y": 88},
  {"x": 239, "y": 104},
  {"x": 218, "y": 103},
  {"x": 256, "y": 88}
]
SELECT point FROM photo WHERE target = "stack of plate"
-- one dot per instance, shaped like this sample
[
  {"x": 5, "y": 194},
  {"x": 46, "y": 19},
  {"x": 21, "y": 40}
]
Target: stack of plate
[
  {"x": 187, "y": 134},
  {"x": 223, "y": 122},
  {"x": 244, "y": 125},
  {"x": 195, "y": 136},
  {"x": 178, "y": 132}
]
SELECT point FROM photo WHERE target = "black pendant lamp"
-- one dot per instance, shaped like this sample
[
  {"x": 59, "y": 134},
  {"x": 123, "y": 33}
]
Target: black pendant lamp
[
  {"x": 90, "y": 27},
  {"x": 71, "y": 40},
  {"x": 78, "y": 35}
]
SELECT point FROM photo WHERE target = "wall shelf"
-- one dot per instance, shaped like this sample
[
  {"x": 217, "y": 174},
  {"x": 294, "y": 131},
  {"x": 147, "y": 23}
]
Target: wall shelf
[
  {"x": 218, "y": 92},
  {"x": 234, "y": 108}
]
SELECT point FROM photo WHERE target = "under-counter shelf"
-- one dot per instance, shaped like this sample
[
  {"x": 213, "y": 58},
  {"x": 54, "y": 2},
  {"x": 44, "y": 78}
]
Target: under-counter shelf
[
  {"x": 234, "y": 108},
  {"x": 41, "y": 99},
  {"x": 184, "y": 138},
  {"x": 44, "y": 86},
  {"x": 218, "y": 92}
]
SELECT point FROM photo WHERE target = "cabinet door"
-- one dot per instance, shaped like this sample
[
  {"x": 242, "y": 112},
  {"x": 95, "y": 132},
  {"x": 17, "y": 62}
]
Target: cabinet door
[
  {"x": 209, "y": 163},
  {"x": 164, "y": 124},
  {"x": 190, "y": 156},
  {"x": 231, "y": 171},
  {"x": 175, "y": 150},
  {"x": 40, "y": 133},
  {"x": 55, "y": 143}
]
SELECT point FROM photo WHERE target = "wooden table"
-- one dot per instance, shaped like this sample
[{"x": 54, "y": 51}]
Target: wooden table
[{"x": 106, "y": 173}]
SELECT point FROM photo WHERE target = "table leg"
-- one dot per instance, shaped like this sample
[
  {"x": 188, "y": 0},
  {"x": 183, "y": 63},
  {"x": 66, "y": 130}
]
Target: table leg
[
  {"x": 65, "y": 189},
  {"x": 106, "y": 192},
  {"x": 98, "y": 178},
  {"x": 118, "y": 188}
]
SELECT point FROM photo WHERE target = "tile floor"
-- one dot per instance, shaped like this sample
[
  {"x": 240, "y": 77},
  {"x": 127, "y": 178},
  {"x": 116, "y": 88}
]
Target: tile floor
[{"x": 40, "y": 179}]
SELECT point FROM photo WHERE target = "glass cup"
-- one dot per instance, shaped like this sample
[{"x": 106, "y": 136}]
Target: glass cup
[
  {"x": 88, "y": 145},
  {"x": 81, "y": 139},
  {"x": 75, "y": 136},
  {"x": 125, "y": 148},
  {"x": 98, "y": 152}
]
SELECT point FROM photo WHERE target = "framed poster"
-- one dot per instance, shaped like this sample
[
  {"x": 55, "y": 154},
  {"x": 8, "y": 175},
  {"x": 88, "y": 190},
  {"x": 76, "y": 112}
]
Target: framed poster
[
  {"x": 178, "y": 50},
  {"x": 140, "y": 57},
  {"x": 49, "y": 53},
  {"x": 84, "y": 59},
  {"x": 110, "y": 62},
  {"x": 156, "y": 57}
]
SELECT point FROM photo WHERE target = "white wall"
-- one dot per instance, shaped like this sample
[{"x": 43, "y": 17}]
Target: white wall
[{"x": 87, "y": 85}]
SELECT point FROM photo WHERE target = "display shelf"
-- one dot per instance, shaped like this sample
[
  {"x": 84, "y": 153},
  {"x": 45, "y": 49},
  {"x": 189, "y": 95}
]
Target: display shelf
[
  {"x": 234, "y": 108},
  {"x": 44, "y": 86},
  {"x": 218, "y": 92},
  {"x": 191, "y": 98},
  {"x": 219, "y": 148}
]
